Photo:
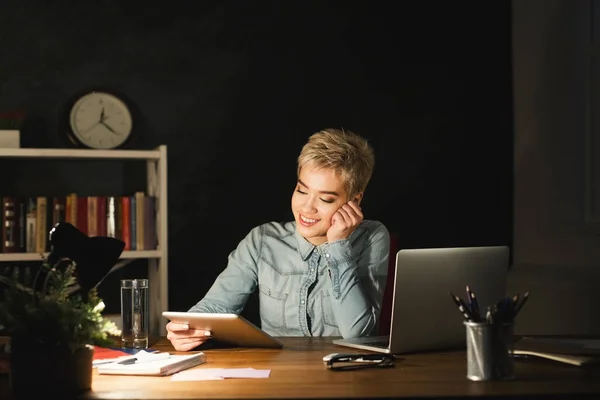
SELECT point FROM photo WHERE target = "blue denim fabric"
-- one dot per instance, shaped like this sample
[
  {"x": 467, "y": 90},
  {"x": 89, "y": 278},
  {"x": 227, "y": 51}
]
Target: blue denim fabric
[{"x": 335, "y": 289}]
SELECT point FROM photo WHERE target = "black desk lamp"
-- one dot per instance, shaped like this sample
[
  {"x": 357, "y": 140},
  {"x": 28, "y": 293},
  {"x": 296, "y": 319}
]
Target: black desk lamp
[{"x": 94, "y": 256}]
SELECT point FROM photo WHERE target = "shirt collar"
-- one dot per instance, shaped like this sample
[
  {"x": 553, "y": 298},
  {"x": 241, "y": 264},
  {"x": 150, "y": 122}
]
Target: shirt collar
[{"x": 305, "y": 248}]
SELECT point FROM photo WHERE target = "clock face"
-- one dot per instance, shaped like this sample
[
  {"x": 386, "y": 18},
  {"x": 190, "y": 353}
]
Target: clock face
[{"x": 100, "y": 120}]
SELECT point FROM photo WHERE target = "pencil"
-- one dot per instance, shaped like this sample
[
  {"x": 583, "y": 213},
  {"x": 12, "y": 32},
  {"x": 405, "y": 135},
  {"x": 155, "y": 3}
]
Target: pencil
[
  {"x": 475, "y": 313},
  {"x": 461, "y": 306}
]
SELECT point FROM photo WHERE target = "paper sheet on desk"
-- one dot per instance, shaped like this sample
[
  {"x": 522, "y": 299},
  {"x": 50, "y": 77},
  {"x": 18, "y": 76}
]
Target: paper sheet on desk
[{"x": 210, "y": 374}]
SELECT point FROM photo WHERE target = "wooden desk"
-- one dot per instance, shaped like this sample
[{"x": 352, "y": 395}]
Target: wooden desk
[{"x": 297, "y": 372}]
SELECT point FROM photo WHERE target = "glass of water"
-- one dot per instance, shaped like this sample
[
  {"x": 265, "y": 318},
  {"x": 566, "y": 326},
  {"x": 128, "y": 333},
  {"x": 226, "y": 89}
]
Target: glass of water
[{"x": 134, "y": 313}]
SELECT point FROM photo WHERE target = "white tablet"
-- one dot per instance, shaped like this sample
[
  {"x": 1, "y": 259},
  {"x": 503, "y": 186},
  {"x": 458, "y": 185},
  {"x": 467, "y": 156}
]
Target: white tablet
[{"x": 232, "y": 329}]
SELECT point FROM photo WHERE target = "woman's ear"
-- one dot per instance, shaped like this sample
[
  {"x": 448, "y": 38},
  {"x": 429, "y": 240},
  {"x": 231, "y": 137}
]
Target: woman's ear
[{"x": 358, "y": 198}]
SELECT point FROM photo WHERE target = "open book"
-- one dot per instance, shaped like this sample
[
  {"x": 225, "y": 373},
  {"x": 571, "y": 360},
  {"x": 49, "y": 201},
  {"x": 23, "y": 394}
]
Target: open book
[{"x": 155, "y": 364}]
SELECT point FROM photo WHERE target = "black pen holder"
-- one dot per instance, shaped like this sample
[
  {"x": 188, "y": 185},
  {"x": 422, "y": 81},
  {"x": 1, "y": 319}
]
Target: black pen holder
[{"x": 489, "y": 351}]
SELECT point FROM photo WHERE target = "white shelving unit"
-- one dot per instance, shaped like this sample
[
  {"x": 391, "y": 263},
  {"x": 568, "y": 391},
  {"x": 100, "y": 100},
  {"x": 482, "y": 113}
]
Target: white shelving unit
[{"x": 156, "y": 185}]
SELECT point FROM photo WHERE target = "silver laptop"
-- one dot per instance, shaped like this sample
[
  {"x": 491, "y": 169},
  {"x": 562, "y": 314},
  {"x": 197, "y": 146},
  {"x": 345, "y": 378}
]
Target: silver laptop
[{"x": 424, "y": 317}]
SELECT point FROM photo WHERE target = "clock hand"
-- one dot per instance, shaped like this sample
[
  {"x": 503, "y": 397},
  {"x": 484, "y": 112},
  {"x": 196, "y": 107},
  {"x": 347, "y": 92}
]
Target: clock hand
[
  {"x": 102, "y": 115},
  {"x": 108, "y": 127}
]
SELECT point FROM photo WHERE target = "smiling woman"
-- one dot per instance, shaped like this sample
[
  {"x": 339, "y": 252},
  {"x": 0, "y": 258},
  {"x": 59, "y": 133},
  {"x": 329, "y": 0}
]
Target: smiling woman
[{"x": 322, "y": 274}]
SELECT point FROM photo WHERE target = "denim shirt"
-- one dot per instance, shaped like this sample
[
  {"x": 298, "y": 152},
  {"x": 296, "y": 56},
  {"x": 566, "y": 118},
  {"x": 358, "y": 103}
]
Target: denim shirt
[{"x": 334, "y": 289}]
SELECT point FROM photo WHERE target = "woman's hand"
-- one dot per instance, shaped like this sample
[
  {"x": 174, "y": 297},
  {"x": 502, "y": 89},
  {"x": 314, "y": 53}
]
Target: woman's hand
[
  {"x": 184, "y": 338},
  {"x": 344, "y": 221}
]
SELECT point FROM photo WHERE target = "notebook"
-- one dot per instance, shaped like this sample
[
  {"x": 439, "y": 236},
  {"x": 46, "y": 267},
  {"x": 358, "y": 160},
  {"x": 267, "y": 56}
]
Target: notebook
[
  {"x": 573, "y": 359},
  {"x": 157, "y": 364},
  {"x": 103, "y": 355},
  {"x": 572, "y": 351},
  {"x": 424, "y": 317}
]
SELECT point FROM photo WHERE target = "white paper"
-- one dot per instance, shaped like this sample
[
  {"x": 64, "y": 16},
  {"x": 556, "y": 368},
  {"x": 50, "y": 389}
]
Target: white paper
[{"x": 205, "y": 374}]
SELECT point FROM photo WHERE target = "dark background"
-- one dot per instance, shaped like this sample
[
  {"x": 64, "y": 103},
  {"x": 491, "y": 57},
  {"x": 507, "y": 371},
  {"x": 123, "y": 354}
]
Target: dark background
[{"x": 235, "y": 88}]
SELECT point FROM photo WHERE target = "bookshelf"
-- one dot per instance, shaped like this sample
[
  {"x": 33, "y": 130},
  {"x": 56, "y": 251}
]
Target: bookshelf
[{"x": 156, "y": 185}]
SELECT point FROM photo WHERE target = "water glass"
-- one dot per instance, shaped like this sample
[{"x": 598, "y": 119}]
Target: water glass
[{"x": 134, "y": 313}]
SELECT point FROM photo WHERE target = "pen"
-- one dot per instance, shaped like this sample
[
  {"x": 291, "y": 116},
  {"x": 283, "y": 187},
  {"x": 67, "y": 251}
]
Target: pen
[
  {"x": 515, "y": 300},
  {"x": 149, "y": 358},
  {"x": 520, "y": 304},
  {"x": 128, "y": 361},
  {"x": 489, "y": 317}
]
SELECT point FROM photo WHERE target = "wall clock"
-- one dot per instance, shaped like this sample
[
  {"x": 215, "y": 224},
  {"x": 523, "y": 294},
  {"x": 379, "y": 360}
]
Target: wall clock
[{"x": 100, "y": 119}]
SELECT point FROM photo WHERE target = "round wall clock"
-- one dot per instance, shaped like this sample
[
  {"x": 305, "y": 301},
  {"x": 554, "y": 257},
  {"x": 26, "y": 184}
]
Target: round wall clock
[{"x": 100, "y": 120}]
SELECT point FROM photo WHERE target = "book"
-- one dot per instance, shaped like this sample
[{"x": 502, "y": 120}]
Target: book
[
  {"x": 157, "y": 364},
  {"x": 104, "y": 355}
]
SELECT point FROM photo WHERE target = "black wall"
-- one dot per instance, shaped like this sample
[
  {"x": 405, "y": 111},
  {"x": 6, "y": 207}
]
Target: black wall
[{"x": 235, "y": 88}]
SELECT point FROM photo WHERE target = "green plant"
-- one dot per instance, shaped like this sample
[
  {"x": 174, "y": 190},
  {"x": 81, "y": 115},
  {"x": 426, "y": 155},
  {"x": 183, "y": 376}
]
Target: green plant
[{"x": 50, "y": 310}]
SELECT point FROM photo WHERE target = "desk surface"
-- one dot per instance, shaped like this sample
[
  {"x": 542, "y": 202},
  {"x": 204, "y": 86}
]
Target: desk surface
[{"x": 297, "y": 371}]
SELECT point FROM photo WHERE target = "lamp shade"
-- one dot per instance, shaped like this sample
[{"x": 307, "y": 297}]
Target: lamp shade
[{"x": 94, "y": 256}]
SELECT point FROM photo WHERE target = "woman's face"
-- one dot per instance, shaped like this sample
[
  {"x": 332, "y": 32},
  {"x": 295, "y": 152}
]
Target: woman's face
[{"x": 319, "y": 193}]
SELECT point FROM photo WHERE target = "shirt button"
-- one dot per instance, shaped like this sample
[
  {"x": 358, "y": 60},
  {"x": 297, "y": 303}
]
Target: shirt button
[
  {"x": 302, "y": 302},
  {"x": 312, "y": 270},
  {"x": 327, "y": 255}
]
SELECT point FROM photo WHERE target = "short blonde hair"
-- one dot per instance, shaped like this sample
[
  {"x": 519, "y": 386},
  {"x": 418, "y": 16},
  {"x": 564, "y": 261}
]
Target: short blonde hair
[{"x": 347, "y": 153}]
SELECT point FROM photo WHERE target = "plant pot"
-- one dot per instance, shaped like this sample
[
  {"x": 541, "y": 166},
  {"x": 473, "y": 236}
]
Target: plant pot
[{"x": 51, "y": 371}]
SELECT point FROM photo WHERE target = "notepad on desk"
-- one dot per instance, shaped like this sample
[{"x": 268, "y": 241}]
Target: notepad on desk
[{"x": 158, "y": 364}]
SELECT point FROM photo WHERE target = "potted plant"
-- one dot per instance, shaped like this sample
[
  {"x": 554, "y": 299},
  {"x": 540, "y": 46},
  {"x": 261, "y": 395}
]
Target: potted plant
[{"x": 53, "y": 316}]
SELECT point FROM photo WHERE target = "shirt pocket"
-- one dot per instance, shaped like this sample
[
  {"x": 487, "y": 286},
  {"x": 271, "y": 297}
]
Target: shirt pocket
[
  {"x": 327, "y": 309},
  {"x": 272, "y": 306}
]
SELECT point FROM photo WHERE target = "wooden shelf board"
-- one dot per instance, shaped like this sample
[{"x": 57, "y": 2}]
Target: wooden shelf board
[
  {"x": 38, "y": 257},
  {"x": 80, "y": 153}
]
